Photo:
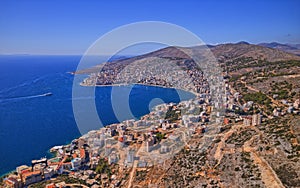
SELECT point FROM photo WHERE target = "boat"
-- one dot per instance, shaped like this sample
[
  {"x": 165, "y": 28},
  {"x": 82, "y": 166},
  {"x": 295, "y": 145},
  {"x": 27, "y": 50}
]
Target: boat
[{"x": 48, "y": 94}]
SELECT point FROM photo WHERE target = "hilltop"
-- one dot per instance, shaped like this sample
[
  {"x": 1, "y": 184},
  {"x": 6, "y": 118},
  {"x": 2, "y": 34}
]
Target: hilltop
[
  {"x": 238, "y": 50},
  {"x": 223, "y": 53}
]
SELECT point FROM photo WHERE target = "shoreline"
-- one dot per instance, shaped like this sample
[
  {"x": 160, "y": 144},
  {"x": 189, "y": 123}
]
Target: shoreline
[
  {"x": 140, "y": 84},
  {"x": 111, "y": 85}
]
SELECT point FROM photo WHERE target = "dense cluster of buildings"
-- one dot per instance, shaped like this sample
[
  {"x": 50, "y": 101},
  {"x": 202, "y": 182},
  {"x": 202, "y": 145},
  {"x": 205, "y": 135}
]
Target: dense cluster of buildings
[
  {"x": 153, "y": 71},
  {"x": 156, "y": 136},
  {"x": 66, "y": 161},
  {"x": 153, "y": 138},
  {"x": 291, "y": 108},
  {"x": 26, "y": 175}
]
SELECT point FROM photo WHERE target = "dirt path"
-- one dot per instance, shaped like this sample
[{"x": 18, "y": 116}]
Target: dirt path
[
  {"x": 219, "y": 153},
  {"x": 268, "y": 175},
  {"x": 134, "y": 166},
  {"x": 132, "y": 174},
  {"x": 292, "y": 76}
]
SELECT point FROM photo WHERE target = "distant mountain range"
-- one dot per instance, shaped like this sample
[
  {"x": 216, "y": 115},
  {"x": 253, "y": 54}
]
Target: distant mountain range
[
  {"x": 291, "y": 48},
  {"x": 229, "y": 51},
  {"x": 270, "y": 52},
  {"x": 244, "y": 49}
]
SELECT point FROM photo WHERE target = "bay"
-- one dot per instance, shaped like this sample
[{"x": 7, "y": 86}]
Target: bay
[{"x": 32, "y": 122}]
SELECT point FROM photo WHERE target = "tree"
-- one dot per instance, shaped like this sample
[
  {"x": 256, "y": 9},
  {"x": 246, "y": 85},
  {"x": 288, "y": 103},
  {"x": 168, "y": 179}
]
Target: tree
[
  {"x": 159, "y": 136},
  {"x": 103, "y": 167}
]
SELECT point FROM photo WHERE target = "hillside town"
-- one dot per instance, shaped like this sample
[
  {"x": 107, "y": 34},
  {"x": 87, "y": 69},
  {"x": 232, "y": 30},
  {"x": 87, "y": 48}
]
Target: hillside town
[
  {"x": 179, "y": 143},
  {"x": 154, "y": 137}
]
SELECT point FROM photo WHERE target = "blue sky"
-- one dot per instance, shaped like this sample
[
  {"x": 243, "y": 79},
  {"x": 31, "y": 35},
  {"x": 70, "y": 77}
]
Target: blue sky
[{"x": 70, "y": 27}]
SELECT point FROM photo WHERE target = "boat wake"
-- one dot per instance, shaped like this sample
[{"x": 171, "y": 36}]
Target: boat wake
[
  {"x": 25, "y": 97},
  {"x": 22, "y": 85}
]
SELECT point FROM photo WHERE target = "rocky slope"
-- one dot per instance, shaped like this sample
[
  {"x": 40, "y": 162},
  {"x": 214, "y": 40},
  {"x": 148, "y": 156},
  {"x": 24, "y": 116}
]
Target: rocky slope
[
  {"x": 241, "y": 155},
  {"x": 256, "y": 52},
  {"x": 290, "y": 48}
]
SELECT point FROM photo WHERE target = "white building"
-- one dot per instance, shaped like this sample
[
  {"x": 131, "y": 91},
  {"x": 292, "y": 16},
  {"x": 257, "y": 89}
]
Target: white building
[
  {"x": 130, "y": 156},
  {"x": 76, "y": 163},
  {"x": 98, "y": 142},
  {"x": 149, "y": 142},
  {"x": 247, "y": 120},
  {"x": 48, "y": 172},
  {"x": 113, "y": 158},
  {"x": 256, "y": 119}
]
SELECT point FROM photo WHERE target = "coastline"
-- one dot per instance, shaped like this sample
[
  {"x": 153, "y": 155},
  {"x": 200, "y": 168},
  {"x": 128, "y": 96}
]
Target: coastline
[
  {"x": 51, "y": 155},
  {"x": 141, "y": 84}
]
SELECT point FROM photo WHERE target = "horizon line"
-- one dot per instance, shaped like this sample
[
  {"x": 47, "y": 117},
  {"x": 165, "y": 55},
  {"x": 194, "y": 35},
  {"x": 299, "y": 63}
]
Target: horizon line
[{"x": 140, "y": 53}]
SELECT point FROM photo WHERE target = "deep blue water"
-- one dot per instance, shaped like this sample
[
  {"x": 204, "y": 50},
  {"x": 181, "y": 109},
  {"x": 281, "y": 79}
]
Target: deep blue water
[{"x": 30, "y": 123}]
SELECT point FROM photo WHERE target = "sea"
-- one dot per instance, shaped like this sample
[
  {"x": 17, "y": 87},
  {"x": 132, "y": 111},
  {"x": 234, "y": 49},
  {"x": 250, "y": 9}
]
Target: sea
[{"x": 32, "y": 121}]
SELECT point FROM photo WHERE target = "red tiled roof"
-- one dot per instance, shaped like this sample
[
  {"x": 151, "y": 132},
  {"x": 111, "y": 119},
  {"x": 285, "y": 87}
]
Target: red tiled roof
[
  {"x": 25, "y": 171},
  {"x": 52, "y": 185},
  {"x": 31, "y": 173},
  {"x": 82, "y": 153}
]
